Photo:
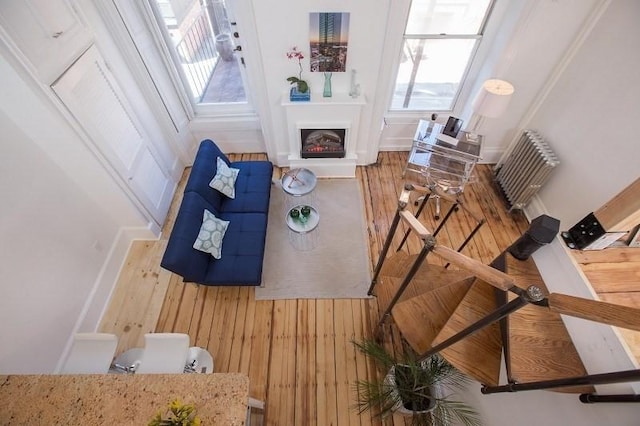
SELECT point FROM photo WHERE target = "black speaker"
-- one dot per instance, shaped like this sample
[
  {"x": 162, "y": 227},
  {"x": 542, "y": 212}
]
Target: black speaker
[{"x": 542, "y": 230}]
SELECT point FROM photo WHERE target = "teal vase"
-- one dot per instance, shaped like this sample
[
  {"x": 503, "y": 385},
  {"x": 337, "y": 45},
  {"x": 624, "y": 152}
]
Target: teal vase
[{"x": 327, "y": 85}]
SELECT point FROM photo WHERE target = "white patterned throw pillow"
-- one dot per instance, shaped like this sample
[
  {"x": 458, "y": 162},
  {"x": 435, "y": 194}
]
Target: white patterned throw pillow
[
  {"x": 225, "y": 179},
  {"x": 212, "y": 232}
]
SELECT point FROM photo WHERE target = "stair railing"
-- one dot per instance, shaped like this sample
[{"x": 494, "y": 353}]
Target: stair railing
[
  {"x": 607, "y": 313},
  {"x": 433, "y": 191},
  {"x": 423, "y": 233},
  {"x": 402, "y": 204},
  {"x": 532, "y": 295},
  {"x": 591, "y": 379},
  {"x": 569, "y": 305}
]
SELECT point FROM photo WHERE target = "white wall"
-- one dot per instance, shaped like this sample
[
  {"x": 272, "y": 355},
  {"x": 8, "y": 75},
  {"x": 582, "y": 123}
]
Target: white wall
[
  {"x": 61, "y": 221},
  {"x": 534, "y": 46},
  {"x": 49, "y": 263},
  {"x": 591, "y": 116},
  {"x": 593, "y": 83}
]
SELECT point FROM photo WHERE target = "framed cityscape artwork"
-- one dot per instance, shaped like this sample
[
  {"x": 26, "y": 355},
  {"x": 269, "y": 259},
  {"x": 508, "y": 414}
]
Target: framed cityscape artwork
[{"x": 328, "y": 38}]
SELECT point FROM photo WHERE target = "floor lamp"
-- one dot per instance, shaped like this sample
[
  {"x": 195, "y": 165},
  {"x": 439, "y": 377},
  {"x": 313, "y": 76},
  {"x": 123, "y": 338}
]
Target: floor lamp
[{"x": 490, "y": 102}]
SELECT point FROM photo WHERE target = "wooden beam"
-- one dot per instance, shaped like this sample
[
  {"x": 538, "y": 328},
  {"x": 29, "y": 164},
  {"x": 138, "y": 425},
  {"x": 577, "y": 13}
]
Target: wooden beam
[
  {"x": 484, "y": 272},
  {"x": 622, "y": 212},
  {"x": 415, "y": 224},
  {"x": 593, "y": 310}
]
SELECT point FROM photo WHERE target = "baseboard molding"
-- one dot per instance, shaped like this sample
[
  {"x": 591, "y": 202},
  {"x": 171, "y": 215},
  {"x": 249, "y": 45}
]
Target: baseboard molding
[
  {"x": 491, "y": 155},
  {"x": 100, "y": 295},
  {"x": 535, "y": 208},
  {"x": 327, "y": 167},
  {"x": 400, "y": 144},
  {"x": 177, "y": 168}
]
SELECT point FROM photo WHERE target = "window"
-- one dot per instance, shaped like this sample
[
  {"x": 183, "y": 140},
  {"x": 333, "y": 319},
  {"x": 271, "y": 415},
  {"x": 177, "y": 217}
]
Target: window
[{"x": 440, "y": 39}]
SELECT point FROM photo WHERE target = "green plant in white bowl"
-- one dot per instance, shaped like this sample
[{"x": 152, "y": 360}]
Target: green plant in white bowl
[{"x": 415, "y": 388}]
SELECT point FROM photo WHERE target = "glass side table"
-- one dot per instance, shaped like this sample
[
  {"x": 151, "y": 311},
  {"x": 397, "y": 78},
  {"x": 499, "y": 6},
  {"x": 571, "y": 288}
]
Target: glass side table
[{"x": 303, "y": 231}]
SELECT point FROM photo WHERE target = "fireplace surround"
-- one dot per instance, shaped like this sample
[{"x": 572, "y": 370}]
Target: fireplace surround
[{"x": 332, "y": 124}]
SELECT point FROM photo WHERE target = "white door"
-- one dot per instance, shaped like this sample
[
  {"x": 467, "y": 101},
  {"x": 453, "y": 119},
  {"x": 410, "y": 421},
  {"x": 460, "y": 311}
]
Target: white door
[
  {"x": 92, "y": 95},
  {"x": 50, "y": 33},
  {"x": 205, "y": 45}
]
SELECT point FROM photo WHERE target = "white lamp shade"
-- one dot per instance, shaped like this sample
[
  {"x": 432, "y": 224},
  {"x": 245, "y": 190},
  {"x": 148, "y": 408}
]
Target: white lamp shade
[{"x": 493, "y": 98}]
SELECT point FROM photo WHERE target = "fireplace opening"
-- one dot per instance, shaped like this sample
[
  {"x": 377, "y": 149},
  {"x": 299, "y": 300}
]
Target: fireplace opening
[{"x": 322, "y": 143}]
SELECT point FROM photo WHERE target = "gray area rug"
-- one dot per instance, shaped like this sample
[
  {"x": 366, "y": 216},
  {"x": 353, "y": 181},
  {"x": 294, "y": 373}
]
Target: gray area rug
[{"x": 333, "y": 262}]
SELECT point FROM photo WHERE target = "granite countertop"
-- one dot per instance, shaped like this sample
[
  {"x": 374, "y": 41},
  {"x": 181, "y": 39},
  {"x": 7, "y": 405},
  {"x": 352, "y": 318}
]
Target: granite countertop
[{"x": 119, "y": 399}]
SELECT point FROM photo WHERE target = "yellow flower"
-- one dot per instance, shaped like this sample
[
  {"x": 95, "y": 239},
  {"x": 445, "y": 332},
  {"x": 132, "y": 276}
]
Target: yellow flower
[{"x": 178, "y": 414}]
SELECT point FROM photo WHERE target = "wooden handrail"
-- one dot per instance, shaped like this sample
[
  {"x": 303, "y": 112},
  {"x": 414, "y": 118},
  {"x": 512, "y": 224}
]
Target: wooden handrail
[
  {"x": 593, "y": 310},
  {"x": 484, "y": 272},
  {"x": 415, "y": 224}
]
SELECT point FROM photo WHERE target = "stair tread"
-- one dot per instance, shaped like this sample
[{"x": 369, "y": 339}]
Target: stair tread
[
  {"x": 480, "y": 354},
  {"x": 395, "y": 264},
  {"x": 541, "y": 347},
  {"x": 428, "y": 277},
  {"x": 421, "y": 318}
]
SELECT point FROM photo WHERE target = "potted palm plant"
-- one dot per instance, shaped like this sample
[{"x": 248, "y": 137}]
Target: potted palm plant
[{"x": 412, "y": 387}]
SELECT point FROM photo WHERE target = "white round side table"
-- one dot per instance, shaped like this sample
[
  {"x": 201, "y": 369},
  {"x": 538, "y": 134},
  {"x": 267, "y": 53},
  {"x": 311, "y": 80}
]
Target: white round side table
[{"x": 298, "y": 185}]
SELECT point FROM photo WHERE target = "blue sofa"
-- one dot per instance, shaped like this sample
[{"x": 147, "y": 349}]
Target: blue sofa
[{"x": 244, "y": 242}]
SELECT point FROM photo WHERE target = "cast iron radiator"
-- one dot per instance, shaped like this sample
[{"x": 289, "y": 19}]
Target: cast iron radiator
[{"x": 526, "y": 168}]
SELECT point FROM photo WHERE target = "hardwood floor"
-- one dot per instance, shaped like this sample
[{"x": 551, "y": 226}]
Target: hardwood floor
[{"x": 297, "y": 353}]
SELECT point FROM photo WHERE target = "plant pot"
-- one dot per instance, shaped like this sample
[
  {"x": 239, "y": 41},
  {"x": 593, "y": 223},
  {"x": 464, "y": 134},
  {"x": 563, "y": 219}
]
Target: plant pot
[
  {"x": 426, "y": 382},
  {"x": 224, "y": 46},
  {"x": 295, "y": 96},
  {"x": 400, "y": 407}
]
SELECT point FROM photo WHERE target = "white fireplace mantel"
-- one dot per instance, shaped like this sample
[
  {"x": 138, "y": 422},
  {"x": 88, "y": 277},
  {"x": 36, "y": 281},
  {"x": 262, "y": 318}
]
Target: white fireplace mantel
[{"x": 339, "y": 112}]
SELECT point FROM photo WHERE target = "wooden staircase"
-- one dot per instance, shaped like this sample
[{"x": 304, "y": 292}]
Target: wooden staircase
[
  {"x": 439, "y": 303},
  {"x": 476, "y": 315}
]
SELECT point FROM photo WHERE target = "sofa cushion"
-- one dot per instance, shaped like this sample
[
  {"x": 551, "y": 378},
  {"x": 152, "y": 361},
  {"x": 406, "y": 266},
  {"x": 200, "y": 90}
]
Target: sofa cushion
[
  {"x": 253, "y": 181},
  {"x": 180, "y": 256},
  {"x": 202, "y": 172},
  {"x": 211, "y": 235},
  {"x": 242, "y": 252},
  {"x": 225, "y": 179},
  {"x": 253, "y": 187}
]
